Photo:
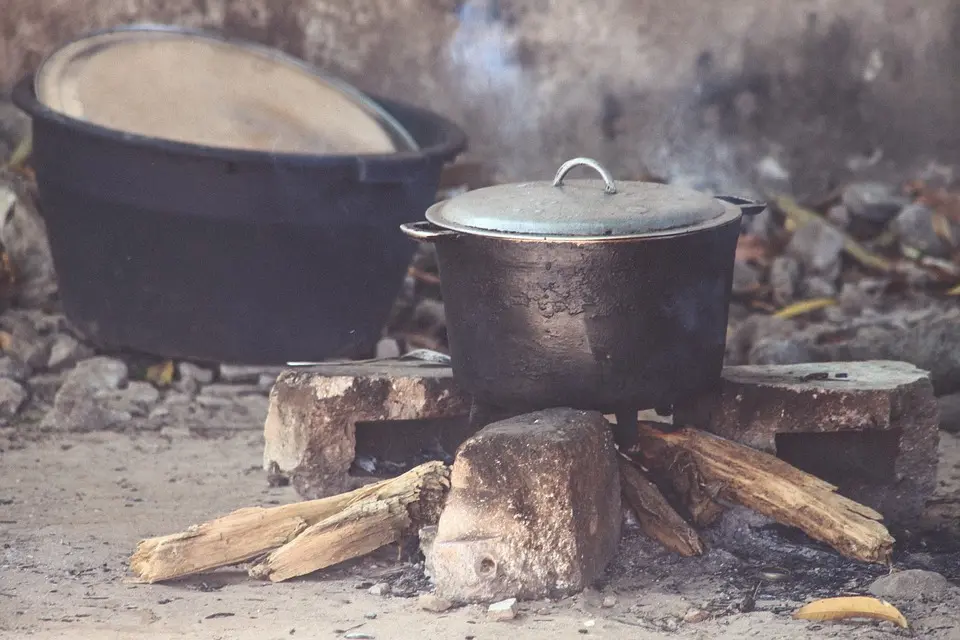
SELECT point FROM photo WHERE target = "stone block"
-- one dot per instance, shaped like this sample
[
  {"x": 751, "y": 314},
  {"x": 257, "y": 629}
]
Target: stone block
[
  {"x": 868, "y": 427},
  {"x": 533, "y": 510},
  {"x": 325, "y": 419}
]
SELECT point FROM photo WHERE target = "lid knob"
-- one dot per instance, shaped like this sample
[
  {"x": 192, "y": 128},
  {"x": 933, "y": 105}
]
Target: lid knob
[{"x": 609, "y": 185}]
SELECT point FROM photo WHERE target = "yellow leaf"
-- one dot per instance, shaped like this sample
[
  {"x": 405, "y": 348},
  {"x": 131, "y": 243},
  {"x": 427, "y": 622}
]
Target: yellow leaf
[
  {"x": 851, "y": 607},
  {"x": 942, "y": 227},
  {"x": 160, "y": 374},
  {"x": 955, "y": 291},
  {"x": 804, "y": 306},
  {"x": 5, "y": 340}
]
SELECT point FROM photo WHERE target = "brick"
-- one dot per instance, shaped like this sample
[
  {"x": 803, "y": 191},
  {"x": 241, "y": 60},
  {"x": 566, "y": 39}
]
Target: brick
[
  {"x": 868, "y": 427},
  {"x": 321, "y": 418},
  {"x": 533, "y": 510}
]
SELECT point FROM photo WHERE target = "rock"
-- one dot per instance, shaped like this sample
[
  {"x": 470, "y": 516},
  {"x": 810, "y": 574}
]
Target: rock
[
  {"x": 839, "y": 216},
  {"x": 694, "y": 616},
  {"x": 950, "y": 412},
  {"x": 311, "y": 423},
  {"x": 873, "y": 201},
  {"x": 434, "y": 603},
  {"x": 860, "y": 295},
  {"x": 11, "y": 367},
  {"x": 914, "y": 227},
  {"x": 784, "y": 279},
  {"x": 387, "y": 348},
  {"x": 745, "y": 278},
  {"x": 533, "y": 510},
  {"x": 503, "y": 610},
  {"x": 12, "y": 399},
  {"x": 25, "y": 342},
  {"x": 24, "y": 237},
  {"x": 191, "y": 377},
  {"x": 379, "y": 589},
  {"x": 609, "y": 602},
  {"x": 818, "y": 287},
  {"x": 83, "y": 402},
  {"x": 778, "y": 351},
  {"x": 136, "y": 399},
  {"x": 751, "y": 331},
  {"x": 817, "y": 246},
  {"x": 868, "y": 427},
  {"x": 911, "y": 584},
  {"x": 66, "y": 351}
]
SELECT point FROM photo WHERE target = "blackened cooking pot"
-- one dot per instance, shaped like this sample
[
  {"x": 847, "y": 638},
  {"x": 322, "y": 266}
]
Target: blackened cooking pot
[{"x": 586, "y": 294}]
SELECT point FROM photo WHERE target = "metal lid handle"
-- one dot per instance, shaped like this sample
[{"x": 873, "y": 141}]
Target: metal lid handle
[{"x": 609, "y": 185}]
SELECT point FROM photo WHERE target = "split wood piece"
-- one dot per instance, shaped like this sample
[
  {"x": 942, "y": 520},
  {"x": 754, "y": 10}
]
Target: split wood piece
[
  {"x": 361, "y": 528},
  {"x": 657, "y": 518},
  {"x": 251, "y": 532},
  {"x": 770, "y": 486}
]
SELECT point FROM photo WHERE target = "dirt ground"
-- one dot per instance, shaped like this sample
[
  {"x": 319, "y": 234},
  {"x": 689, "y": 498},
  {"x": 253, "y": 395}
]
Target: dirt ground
[{"x": 72, "y": 508}]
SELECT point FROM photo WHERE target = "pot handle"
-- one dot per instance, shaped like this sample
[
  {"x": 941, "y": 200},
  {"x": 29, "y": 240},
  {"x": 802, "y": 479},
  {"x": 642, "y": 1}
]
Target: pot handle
[
  {"x": 609, "y": 185},
  {"x": 747, "y": 207},
  {"x": 425, "y": 231}
]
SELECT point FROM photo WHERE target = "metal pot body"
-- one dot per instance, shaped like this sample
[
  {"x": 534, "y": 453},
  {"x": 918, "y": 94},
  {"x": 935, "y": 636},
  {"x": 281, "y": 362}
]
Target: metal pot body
[{"x": 608, "y": 325}]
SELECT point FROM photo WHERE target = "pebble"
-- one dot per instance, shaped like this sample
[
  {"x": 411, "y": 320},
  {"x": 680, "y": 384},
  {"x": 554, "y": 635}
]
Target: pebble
[
  {"x": 12, "y": 398},
  {"x": 818, "y": 287},
  {"x": 914, "y": 228},
  {"x": 190, "y": 371},
  {"x": 503, "y": 610},
  {"x": 387, "y": 348},
  {"x": 609, "y": 602},
  {"x": 950, "y": 412},
  {"x": 25, "y": 342},
  {"x": 66, "y": 351},
  {"x": 784, "y": 278},
  {"x": 358, "y": 635},
  {"x": 693, "y": 616},
  {"x": 14, "y": 369},
  {"x": 839, "y": 216},
  {"x": 745, "y": 278},
  {"x": 379, "y": 589},
  {"x": 434, "y": 603},
  {"x": 911, "y": 584},
  {"x": 817, "y": 245},
  {"x": 874, "y": 201}
]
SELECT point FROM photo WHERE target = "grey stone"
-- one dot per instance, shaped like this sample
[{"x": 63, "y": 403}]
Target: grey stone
[
  {"x": 817, "y": 245},
  {"x": 191, "y": 377},
  {"x": 745, "y": 278},
  {"x": 13, "y": 368},
  {"x": 434, "y": 603},
  {"x": 860, "y": 295},
  {"x": 136, "y": 399},
  {"x": 24, "y": 237},
  {"x": 912, "y": 584},
  {"x": 311, "y": 428},
  {"x": 914, "y": 228},
  {"x": 784, "y": 279},
  {"x": 12, "y": 398},
  {"x": 387, "y": 348},
  {"x": 778, "y": 351},
  {"x": 83, "y": 402},
  {"x": 533, "y": 510},
  {"x": 868, "y": 427},
  {"x": 950, "y": 412},
  {"x": 750, "y": 331},
  {"x": 26, "y": 343},
  {"x": 818, "y": 287},
  {"x": 874, "y": 201},
  {"x": 839, "y": 216},
  {"x": 503, "y": 610},
  {"x": 66, "y": 351},
  {"x": 379, "y": 589}
]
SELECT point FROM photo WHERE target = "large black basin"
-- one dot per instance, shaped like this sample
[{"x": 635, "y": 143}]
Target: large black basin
[{"x": 236, "y": 256}]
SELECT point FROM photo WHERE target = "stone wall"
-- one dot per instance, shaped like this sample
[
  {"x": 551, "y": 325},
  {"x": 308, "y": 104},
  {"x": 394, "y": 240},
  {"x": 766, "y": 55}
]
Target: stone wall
[{"x": 801, "y": 93}]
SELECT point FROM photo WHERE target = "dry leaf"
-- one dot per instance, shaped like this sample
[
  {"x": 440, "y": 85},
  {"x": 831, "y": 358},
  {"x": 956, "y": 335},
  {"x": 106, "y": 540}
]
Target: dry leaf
[
  {"x": 5, "y": 340},
  {"x": 804, "y": 306},
  {"x": 941, "y": 226},
  {"x": 160, "y": 374},
  {"x": 955, "y": 291},
  {"x": 851, "y": 607}
]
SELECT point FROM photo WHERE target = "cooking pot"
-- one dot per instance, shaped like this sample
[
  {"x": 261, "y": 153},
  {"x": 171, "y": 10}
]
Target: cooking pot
[{"x": 584, "y": 293}]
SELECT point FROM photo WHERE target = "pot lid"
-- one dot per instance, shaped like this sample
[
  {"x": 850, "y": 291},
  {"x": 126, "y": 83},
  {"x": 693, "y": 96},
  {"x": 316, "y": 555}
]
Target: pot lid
[
  {"x": 193, "y": 87},
  {"x": 580, "y": 208}
]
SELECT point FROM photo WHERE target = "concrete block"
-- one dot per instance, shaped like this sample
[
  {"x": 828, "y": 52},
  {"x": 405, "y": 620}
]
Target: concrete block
[
  {"x": 868, "y": 427},
  {"x": 533, "y": 510},
  {"x": 322, "y": 420}
]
